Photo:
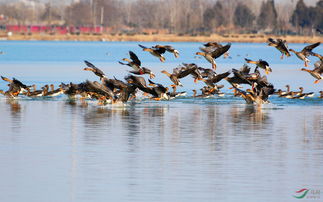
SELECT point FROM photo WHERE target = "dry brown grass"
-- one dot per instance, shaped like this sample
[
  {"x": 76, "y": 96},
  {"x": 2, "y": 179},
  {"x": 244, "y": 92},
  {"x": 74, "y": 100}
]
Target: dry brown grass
[{"x": 251, "y": 38}]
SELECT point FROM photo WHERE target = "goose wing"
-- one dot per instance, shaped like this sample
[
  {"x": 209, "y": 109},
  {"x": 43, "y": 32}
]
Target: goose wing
[
  {"x": 220, "y": 51},
  {"x": 307, "y": 50},
  {"x": 134, "y": 58},
  {"x": 219, "y": 77},
  {"x": 95, "y": 70}
]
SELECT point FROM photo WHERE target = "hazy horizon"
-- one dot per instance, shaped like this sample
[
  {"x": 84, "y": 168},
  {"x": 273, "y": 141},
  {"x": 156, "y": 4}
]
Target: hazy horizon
[{"x": 307, "y": 2}]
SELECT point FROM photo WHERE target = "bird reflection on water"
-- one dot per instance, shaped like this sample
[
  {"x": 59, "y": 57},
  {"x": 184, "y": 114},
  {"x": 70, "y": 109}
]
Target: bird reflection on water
[
  {"x": 250, "y": 115},
  {"x": 180, "y": 120},
  {"x": 15, "y": 111},
  {"x": 15, "y": 107},
  {"x": 173, "y": 118},
  {"x": 129, "y": 117}
]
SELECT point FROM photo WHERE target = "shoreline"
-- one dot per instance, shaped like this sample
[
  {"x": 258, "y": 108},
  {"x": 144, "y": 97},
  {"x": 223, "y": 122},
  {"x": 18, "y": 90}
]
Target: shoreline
[{"x": 240, "y": 38}]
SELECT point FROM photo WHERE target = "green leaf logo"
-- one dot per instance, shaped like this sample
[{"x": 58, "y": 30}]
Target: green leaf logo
[{"x": 303, "y": 193}]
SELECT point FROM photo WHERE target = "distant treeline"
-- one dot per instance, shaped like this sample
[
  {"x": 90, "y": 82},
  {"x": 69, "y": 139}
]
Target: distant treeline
[{"x": 187, "y": 17}]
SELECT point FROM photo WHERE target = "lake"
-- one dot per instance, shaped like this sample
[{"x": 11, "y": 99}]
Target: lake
[{"x": 186, "y": 149}]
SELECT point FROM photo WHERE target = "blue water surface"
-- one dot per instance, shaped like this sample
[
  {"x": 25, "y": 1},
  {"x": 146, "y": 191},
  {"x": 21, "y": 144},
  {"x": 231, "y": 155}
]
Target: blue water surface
[{"x": 186, "y": 149}]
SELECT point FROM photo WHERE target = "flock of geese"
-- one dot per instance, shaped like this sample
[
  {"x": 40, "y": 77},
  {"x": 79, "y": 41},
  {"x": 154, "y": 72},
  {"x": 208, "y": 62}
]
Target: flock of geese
[{"x": 112, "y": 90}]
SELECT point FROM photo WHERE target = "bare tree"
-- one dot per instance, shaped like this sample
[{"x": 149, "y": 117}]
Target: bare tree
[
  {"x": 267, "y": 18},
  {"x": 175, "y": 16},
  {"x": 73, "y": 17},
  {"x": 243, "y": 16}
]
